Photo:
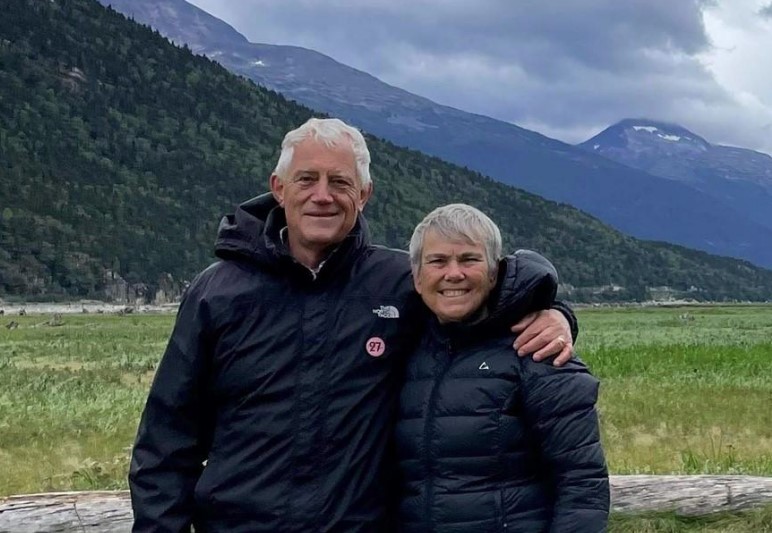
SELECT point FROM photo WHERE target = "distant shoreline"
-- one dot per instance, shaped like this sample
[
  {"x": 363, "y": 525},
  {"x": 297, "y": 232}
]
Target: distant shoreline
[
  {"x": 97, "y": 307},
  {"x": 82, "y": 307}
]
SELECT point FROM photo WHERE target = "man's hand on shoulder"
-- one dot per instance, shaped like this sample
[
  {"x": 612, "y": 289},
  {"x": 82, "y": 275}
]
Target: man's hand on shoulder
[{"x": 544, "y": 334}]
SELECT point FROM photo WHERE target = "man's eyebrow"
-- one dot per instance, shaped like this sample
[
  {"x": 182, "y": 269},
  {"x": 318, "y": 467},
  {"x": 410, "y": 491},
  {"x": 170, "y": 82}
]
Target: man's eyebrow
[{"x": 436, "y": 256}]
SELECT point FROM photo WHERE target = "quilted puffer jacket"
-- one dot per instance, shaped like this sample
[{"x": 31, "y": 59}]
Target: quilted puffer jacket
[{"x": 491, "y": 442}]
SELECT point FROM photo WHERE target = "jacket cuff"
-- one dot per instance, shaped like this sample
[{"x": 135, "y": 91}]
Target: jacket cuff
[{"x": 570, "y": 316}]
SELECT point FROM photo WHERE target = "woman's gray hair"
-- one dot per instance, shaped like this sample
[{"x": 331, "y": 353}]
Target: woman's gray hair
[
  {"x": 330, "y": 131},
  {"x": 458, "y": 222}
]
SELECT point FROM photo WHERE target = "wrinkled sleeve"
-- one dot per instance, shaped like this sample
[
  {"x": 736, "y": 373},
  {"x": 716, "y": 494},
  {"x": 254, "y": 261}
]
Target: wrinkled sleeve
[
  {"x": 570, "y": 316},
  {"x": 528, "y": 281},
  {"x": 559, "y": 405},
  {"x": 173, "y": 436}
]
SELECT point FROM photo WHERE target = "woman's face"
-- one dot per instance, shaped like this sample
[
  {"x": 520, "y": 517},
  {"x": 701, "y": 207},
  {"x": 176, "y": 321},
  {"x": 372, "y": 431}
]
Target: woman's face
[{"x": 453, "y": 278}]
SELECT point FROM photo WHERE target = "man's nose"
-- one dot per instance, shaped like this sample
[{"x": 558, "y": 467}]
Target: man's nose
[{"x": 322, "y": 192}]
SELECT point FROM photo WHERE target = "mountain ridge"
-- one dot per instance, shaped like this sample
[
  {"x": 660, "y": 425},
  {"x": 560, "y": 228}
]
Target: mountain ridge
[{"x": 638, "y": 203}]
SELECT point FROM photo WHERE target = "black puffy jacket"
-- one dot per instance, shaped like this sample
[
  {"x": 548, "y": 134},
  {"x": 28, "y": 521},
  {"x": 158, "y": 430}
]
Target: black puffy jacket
[
  {"x": 285, "y": 382},
  {"x": 491, "y": 442}
]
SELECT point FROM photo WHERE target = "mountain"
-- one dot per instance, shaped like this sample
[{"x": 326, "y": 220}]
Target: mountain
[
  {"x": 739, "y": 177},
  {"x": 121, "y": 151},
  {"x": 636, "y": 202}
]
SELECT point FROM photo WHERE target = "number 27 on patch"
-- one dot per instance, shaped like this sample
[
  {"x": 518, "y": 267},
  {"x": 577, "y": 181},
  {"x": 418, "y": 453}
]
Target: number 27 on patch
[{"x": 375, "y": 346}]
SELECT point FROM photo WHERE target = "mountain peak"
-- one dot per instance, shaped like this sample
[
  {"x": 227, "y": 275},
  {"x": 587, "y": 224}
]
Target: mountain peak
[
  {"x": 192, "y": 25},
  {"x": 642, "y": 134},
  {"x": 739, "y": 177}
]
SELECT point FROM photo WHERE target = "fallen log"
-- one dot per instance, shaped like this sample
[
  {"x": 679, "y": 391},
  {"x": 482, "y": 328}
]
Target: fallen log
[
  {"x": 67, "y": 512},
  {"x": 110, "y": 511},
  {"x": 689, "y": 495}
]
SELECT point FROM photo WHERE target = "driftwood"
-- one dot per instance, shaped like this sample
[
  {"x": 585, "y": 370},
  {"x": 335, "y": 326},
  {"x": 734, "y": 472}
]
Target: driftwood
[
  {"x": 110, "y": 512},
  {"x": 67, "y": 512},
  {"x": 688, "y": 495}
]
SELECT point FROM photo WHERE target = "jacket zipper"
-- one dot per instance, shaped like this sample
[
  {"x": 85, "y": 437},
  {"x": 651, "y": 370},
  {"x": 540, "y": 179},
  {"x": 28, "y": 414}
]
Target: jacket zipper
[{"x": 428, "y": 433}]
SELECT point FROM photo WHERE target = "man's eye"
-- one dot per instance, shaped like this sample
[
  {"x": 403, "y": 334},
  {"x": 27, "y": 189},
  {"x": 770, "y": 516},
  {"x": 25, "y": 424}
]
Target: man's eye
[{"x": 340, "y": 182}]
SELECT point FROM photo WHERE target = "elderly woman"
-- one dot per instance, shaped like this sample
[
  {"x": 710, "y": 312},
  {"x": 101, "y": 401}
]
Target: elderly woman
[{"x": 488, "y": 441}]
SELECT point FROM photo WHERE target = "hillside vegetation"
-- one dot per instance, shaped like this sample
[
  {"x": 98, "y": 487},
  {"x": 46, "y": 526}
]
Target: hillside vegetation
[{"x": 120, "y": 152}]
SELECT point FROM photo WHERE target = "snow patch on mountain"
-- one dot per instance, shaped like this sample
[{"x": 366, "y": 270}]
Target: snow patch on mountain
[{"x": 660, "y": 134}]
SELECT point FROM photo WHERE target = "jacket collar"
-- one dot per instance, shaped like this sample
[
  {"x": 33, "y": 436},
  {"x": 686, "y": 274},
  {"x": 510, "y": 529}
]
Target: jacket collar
[{"x": 253, "y": 233}]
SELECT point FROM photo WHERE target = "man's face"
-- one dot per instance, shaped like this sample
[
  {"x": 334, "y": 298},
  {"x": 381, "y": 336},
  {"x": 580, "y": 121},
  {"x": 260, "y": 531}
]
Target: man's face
[
  {"x": 321, "y": 196},
  {"x": 453, "y": 279}
]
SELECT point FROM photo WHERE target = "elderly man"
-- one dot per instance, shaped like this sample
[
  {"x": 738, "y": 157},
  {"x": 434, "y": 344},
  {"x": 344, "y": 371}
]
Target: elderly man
[{"x": 273, "y": 405}]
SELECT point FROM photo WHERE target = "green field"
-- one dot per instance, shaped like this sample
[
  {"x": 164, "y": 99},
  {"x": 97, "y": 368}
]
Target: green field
[{"x": 684, "y": 390}]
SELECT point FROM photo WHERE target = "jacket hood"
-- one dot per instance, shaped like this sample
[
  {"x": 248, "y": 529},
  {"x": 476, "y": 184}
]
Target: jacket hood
[
  {"x": 253, "y": 233},
  {"x": 243, "y": 233}
]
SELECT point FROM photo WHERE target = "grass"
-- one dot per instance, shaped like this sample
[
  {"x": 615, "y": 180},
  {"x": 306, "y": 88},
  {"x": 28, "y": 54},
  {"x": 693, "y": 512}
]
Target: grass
[
  {"x": 684, "y": 390},
  {"x": 70, "y": 397}
]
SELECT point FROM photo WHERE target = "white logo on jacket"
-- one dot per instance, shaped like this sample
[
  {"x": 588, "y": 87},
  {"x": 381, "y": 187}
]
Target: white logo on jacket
[{"x": 387, "y": 311}]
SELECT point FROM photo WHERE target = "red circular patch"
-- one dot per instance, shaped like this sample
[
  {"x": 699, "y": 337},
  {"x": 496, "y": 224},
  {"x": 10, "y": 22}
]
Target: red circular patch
[{"x": 375, "y": 346}]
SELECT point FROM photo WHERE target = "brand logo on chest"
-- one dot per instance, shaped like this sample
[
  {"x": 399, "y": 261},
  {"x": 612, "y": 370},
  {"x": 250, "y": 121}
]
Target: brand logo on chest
[{"x": 386, "y": 311}]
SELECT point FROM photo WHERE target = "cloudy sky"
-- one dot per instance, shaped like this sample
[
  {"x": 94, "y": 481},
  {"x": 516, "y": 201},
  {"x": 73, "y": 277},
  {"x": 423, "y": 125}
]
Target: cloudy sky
[{"x": 565, "y": 68}]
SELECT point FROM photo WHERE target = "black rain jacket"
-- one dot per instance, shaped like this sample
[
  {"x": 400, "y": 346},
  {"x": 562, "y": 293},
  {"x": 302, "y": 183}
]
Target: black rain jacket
[
  {"x": 283, "y": 381},
  {"x": 492, "y": 443}
]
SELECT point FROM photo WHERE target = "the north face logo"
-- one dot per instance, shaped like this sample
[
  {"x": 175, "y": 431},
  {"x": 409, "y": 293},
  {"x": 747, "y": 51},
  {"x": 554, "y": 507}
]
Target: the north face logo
[{"x": 387, "y": 311}]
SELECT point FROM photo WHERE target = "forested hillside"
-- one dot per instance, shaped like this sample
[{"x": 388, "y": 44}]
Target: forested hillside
[{"x": 120, "y": 152}]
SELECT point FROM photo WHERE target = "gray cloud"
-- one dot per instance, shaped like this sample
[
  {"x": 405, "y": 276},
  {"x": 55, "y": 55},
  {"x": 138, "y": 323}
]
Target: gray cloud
[
  {"x": 606, "y": 34},
  {"x": 766, "y": 11},
  {"x": 564, "y": 68}
]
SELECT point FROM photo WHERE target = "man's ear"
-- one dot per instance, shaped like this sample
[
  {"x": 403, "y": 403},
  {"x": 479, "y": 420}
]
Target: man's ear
[
  {"x": 277, "y": 188},
  {"x": 364, "y": 195}
]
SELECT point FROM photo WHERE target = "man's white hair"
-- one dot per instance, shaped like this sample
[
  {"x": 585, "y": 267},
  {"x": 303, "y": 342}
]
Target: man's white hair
[{"x": 331, "y": 132}]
